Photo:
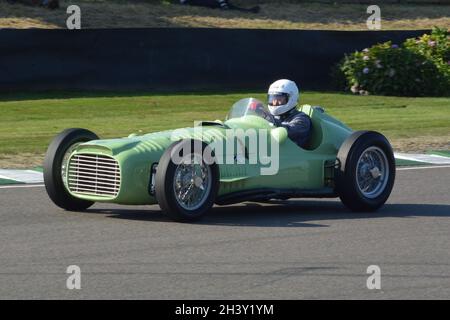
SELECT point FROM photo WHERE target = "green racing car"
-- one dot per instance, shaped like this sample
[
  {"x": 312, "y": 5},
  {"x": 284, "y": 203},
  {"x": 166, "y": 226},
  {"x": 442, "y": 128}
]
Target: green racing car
[{"x": 244, "y": 158}]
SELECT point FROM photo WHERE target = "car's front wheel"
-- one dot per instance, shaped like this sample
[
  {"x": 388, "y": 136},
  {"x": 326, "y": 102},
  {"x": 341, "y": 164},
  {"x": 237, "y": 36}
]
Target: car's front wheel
[
  {"x": 55, "y": 167},
  {"x": 187, "y": 180},
  {"x": 366, "y": 171}
]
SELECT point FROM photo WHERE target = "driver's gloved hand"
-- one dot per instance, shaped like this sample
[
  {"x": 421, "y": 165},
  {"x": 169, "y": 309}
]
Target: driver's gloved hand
[
  {"x": 270, "y": 118},
  {"x": 260, "y": 112},
  {"x": 263, "y": 114},
  {"x": 267, "y": 116}
]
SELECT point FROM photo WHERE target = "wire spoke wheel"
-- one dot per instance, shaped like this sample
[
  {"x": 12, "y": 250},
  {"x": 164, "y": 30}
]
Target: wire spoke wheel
[
  {"x": 372, "y": 172},
  {"x": 192, "y": 182},
  {"x": 187, "y": 188},
  {"x": 366, "y": 173}
]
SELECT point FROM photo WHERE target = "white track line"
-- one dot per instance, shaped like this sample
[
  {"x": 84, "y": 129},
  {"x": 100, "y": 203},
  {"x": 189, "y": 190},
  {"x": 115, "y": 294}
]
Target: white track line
[
  {"x": 419, "y": 168},
  {"x": 22, "y": 186},
  {"x": 424, "y": 158},
  {"x": 41, "y": 185},
  {"x": 27, "y": 176}
]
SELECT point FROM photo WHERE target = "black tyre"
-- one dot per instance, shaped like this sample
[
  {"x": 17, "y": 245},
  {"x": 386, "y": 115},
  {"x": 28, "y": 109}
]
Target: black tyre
[
  {"x": 186, "y": 189},
  {"x": 366, "y": 171},
  {"x": 54, "y": 165}
]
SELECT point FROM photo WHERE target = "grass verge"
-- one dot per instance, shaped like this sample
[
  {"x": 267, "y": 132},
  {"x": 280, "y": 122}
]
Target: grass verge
[
  {"x": 282, "y": 14},
  {"x": 28, "y": 122}
]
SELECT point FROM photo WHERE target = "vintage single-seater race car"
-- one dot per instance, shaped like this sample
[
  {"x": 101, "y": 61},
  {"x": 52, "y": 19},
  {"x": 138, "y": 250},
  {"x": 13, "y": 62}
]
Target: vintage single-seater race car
[{"x": 244, "y": 158}]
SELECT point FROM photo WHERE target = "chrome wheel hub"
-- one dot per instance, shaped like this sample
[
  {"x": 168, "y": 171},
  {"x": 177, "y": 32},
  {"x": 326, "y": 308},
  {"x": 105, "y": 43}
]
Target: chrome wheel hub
[
  {"x": 372, "y": 172},
  {"x": 192, "y": 182},
  {"x": 375, "y": 172}
]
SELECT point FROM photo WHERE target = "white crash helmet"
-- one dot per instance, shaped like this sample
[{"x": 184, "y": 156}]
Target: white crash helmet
[{"x": 284, "y": 90}]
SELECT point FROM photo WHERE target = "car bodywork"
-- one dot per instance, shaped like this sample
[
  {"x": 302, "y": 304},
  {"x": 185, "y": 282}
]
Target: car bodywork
[{"x": 122, "y": 170}]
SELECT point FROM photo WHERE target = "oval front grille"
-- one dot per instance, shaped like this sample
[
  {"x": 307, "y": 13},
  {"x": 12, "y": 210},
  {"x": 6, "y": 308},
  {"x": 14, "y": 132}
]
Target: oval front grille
[{"x": 92, "y": 174}]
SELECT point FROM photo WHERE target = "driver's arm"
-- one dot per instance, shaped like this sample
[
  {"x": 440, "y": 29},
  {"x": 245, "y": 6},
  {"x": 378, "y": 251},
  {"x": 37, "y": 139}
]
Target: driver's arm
[
  {"x": 269, "y": 117},
  {"x": 298, "y": 128},
  {"x": 259, "y": 110}
]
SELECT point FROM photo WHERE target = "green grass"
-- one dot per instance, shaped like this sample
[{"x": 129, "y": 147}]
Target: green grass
[{"x": 29, "y": 121}]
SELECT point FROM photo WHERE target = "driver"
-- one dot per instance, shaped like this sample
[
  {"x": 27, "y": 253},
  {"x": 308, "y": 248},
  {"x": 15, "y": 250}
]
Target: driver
[{"x": 282, "y": 101}]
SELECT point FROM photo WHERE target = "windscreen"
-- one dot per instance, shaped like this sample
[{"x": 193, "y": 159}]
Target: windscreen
[{"x": 248, "y": 106}]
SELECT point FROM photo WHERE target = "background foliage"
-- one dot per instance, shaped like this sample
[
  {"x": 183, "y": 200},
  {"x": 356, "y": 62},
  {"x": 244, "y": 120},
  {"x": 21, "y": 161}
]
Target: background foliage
[{"x": 418, "y": 67}]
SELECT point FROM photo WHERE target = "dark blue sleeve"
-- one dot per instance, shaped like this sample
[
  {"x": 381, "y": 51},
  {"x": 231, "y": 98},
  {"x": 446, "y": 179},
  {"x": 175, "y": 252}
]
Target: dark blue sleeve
[{"x": 299, "y": 129}]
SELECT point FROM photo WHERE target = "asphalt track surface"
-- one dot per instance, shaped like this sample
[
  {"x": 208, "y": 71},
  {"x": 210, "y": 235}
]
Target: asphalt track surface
[{"x": 299, "y": 249}]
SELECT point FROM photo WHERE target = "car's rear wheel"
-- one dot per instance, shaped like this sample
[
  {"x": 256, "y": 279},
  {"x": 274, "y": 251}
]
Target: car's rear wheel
[
  {"x": 366, "y": 172},
  {"x": 55, "y": 166},
  {"x": 186, "y": 187}
]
